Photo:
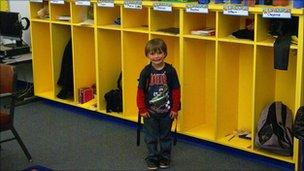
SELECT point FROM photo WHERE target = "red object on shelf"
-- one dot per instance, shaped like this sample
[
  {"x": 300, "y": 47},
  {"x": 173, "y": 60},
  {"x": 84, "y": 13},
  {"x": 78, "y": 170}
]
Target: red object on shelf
[
  {"x": 85, "y": 94},
  {"x": 280, "y": 2}
]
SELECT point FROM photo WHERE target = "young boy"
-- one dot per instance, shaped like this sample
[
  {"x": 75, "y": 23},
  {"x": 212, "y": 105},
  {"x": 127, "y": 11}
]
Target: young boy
[{"x": 158, "y": 101}]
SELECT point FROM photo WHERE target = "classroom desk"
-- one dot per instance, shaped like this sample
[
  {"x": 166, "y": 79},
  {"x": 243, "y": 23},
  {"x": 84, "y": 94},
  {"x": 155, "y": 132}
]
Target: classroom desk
[{"x": 14, "y": 60}]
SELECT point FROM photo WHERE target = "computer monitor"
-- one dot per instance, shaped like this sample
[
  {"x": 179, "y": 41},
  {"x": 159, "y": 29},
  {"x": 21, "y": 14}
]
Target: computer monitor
[{"x": 10, "y": 26}]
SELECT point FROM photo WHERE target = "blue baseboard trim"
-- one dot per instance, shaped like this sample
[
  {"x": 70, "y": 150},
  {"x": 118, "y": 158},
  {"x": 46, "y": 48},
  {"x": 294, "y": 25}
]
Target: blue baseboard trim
[
  {"x": 90, "y": 114},
  {"x": 181, "y": 137}
]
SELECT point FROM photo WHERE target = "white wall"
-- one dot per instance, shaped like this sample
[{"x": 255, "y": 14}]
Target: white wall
[{"x": 21, "y": 6}]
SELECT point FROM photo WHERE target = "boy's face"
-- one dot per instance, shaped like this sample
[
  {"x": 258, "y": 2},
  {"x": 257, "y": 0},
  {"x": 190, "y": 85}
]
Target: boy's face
[{"x": 157, "y": 58}]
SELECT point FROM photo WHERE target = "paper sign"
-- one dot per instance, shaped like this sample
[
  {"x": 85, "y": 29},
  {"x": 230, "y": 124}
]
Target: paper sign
[
  {"x": 197, "y": 8},
  {"x": 83, "y": 2},
  {"x": 133, "y": 4},
  {"x": 105, "y": 3},
  {"x": 162, "y": 6},
  {"x": 236, "y": 10},
  {"x": 57, "y": 1},
  {"x": 40, "y": 1},
  {"x": 276, "y": 13}
]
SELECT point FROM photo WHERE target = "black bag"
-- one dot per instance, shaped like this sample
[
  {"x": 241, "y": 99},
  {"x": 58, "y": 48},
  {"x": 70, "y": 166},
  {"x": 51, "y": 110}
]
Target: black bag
[
  {"x": 274, "y": 129},
  {"x": 298, "y": 127},
  {"x": 284, "y": 29},
  {"x": 114, "y": 98}
]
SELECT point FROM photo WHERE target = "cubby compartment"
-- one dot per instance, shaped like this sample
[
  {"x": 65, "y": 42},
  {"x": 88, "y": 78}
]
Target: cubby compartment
[
  {"x": 135, "y": 19},
  {"x": 109, "y": 17},
  {"x": 62, "y": 35},
  {"x": 109, "y": 64},
  {"x": 61, "y": 12},
  {"x": 264, "y": 38},
  {"x": 84, "y": 62},
  {"x": 234, "y": 93},
  {"x": 202, "y": 22},
  {"x": 83, "y": 15},
  {"x": 134, "y": 60},
  {"x": 42, "y": 60},
  {"x": 228, "y": 24},
  {"x": 39, "y": 10},
  {"x": 198, "y": 90},
  {"x": 274, "y": 85},
  {"x": 166, "y": 23}
]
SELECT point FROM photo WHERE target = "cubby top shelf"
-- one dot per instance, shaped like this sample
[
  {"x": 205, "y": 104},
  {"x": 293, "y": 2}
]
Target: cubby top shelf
[
  {"x": 219, "y": 7},
  {"x": 211, "y": 6}
]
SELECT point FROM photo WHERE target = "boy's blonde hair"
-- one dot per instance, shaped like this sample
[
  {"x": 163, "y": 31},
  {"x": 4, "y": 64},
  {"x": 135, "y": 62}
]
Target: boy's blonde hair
[{"x": 155, "y": 46}]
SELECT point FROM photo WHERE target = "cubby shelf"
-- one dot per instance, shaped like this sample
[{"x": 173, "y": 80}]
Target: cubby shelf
[
  {"x": 236, "y": 142},
  {"x": 225, "y": 81},
  {"x": 270, "y": 42},
  {"x": 40, "y": 20}
]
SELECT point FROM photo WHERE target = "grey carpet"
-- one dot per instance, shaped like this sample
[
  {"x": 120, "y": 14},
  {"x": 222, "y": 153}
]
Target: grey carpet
[{"x": 62, "y": 139}]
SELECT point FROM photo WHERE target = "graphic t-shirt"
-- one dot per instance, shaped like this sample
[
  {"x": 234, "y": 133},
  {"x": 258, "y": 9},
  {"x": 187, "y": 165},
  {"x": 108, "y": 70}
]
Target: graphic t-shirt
[{"x": 158, "y": 85}]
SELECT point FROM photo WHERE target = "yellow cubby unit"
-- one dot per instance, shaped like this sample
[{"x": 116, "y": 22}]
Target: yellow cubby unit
[
  {"x": 135, "y": 19},
  {"x": 198, "y": 21},
  {"x": 61, "y": 34},
  {"x": 42, "y": 60},
  {"x": 110, "y": 65},
  {"x": 83, "y": 58},
  {"x": 133, "y": 61},
  {"x": 36, "y": 7},
  {"x": 228, "y": 24},
  {"x": 163, "y": 20},
  {"x": 106, "y": 17},
  {"x": 82, "y": 13},
  {"x": 225, "y": 81},
  {"x": 234, "y": 92},
  {"x": 199, "y": 88},
  {"x": 60, "y": 11}
]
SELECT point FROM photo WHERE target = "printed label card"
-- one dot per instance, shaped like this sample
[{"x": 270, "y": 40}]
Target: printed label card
[
  {"x": 135, "y": 4},
  {"x": 162, "y": 6},
  {"x": 197, "y": 8},
  {"x": 105, "y": 3},
  {"x": 276, "y": 13},
  {"x": 236, "y": 10}
]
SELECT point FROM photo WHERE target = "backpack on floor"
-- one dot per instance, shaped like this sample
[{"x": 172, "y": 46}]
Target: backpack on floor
[
  {"x": 274, "y": 129},
  {"x": 298, "y": 127},
  {"x": 114, "y": 98}
]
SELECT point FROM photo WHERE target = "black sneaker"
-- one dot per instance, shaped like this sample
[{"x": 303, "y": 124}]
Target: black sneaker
[
  {"x": 164, "y": 163},
  {"x": 151, "y": 165}
]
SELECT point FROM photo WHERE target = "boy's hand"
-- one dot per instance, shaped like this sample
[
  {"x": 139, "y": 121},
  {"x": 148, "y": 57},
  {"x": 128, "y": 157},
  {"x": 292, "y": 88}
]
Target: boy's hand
[
  {"x": 145, "y": 115},
  {"x": 173, "y": 115}
]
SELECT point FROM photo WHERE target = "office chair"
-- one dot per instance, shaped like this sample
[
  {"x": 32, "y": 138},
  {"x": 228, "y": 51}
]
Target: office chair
[{"x": 7, "y": 98}]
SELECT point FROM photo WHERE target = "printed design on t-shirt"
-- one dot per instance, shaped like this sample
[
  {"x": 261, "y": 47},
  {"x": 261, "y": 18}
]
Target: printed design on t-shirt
[{"x": 159, "y": 93}]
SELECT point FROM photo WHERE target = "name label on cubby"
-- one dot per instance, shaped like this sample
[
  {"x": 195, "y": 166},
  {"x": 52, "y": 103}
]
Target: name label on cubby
[
  {"x": 83, "y": 2},
  {"x": 105, "y": 3},
  {"x": 237, "y": 10},
  {"x": 57, "y": 1},
  {"x": 197, "y": 8},
  {"x": 135, "y": 4},
  {"x": 276, "y": 13},
  {"x": 40, "y": 1},
  {"x": 162, "y": 6}
]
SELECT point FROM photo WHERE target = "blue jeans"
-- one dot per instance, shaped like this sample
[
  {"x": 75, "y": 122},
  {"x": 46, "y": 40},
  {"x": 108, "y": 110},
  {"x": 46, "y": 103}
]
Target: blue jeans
[{"x": 157, "y": 129}]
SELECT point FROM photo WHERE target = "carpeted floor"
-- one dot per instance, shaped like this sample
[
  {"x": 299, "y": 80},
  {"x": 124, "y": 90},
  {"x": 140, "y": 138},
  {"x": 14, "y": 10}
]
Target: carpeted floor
[{"x": 65, "y": 138}]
